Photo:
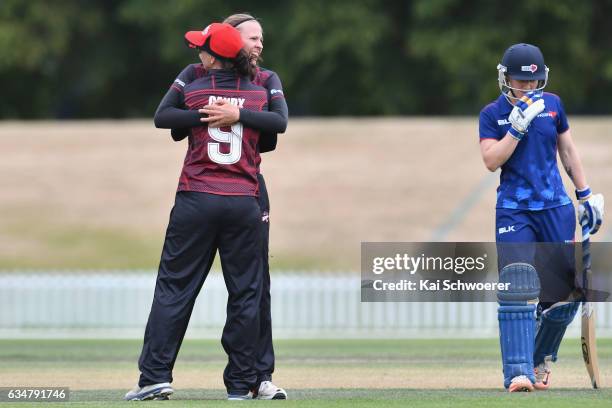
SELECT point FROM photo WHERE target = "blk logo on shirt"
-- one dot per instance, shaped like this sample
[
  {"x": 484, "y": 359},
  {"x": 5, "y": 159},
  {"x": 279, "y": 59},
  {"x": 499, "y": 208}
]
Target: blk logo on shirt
[{"x": 503, "y": 230}]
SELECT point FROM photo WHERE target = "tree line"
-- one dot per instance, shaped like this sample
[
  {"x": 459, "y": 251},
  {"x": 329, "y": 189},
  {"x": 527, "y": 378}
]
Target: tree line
[{"x": 116, "y": 58}]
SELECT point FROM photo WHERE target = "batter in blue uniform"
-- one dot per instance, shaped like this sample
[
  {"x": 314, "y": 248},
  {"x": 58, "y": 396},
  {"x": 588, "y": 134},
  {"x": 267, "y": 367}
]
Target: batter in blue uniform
[{"x": 521, "y": 133}]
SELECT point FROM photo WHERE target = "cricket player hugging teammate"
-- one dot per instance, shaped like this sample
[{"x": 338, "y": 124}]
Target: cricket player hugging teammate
[{"x": 521, "y": 132}]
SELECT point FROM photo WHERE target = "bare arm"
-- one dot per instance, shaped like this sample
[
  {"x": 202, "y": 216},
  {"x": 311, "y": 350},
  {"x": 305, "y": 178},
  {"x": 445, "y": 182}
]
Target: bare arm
[
  {"x": 591, "y": 208},
  {"x": 571, "y": 160},
  {"x": 496, "y": 152}
]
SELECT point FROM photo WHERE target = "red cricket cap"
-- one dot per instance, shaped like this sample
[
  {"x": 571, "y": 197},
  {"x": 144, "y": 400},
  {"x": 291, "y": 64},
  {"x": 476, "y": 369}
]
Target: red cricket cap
[{"x": 221, "y": 40}]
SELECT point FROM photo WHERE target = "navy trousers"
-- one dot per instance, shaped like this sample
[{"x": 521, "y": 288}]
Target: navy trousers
[
  {"x": 200, "y": 224},
  {"x": 518, "y": 230}
]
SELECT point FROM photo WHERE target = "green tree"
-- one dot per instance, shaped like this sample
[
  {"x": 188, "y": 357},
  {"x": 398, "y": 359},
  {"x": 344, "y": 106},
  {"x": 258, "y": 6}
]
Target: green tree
[{"x": 116, "y": 58}]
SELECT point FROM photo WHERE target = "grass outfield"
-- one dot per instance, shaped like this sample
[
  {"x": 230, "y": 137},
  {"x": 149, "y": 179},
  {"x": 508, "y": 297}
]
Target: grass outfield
[
  {"x": 316, "y": 373},
  {"x": 359, "y": 398}
]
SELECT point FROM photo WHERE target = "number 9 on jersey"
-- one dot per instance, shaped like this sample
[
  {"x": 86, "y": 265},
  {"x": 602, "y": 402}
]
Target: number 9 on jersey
[{"x": 233, "y": 137}]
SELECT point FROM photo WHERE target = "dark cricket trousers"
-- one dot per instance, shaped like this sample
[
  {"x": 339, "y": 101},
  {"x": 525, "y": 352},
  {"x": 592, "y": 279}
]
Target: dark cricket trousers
[
  {"x": 200, "y": 224},
  {"x": 265, "y": 349}
]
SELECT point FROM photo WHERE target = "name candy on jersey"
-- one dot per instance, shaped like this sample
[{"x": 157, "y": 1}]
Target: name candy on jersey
[{"x": 239, "y": 102}]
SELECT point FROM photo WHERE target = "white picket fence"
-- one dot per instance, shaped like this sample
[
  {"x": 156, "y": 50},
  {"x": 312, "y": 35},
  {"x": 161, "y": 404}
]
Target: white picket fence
[{"x": 304, "y": 305}]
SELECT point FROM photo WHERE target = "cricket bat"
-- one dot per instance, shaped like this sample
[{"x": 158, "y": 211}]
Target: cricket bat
[{"x": 588, "y": 340}]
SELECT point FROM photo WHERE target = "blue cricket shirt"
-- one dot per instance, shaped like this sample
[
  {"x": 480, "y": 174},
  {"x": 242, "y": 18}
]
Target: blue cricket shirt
[{"x": 530, "y": 179}]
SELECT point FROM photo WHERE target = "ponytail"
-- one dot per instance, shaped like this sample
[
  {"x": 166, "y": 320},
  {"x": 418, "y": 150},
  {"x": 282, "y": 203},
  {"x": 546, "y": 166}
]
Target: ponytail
[{"x": 241, "y": 64}]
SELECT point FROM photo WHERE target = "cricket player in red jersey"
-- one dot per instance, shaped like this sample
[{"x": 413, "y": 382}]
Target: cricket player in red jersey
[
  {"x": 216, "y": 208},
  {"x": 270, "y": 122}
]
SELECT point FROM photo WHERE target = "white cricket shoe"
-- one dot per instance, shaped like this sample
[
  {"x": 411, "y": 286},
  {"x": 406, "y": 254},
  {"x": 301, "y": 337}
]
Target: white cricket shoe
[
  {"x": 269, "y": 391},
  {"x": 148, "y": 392},
  {"x": 542, "y": 374}
]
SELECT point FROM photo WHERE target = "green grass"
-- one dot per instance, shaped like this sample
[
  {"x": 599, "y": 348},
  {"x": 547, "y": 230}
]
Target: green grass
[
  {"x": 447, "y": 351},
  {"x": 65, "y": 245},
  {"x": 68, "y": 246},
  {"x": 444, "y": 354},
  {"x": 77, "y": 247},
  {"x": 326, "y": 351},
  {"x": 456, "y": 398}
]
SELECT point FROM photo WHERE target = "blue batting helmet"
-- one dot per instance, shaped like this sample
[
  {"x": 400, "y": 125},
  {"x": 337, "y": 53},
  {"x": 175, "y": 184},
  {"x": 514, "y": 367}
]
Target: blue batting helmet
[{"x": 522, "y": 62}]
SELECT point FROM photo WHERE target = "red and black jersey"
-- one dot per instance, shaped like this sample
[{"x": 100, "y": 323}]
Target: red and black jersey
[
  {"x": 263, "y": 77},
  {"x": 276, "y": 103},
  {"x": 222, "y": 160}
]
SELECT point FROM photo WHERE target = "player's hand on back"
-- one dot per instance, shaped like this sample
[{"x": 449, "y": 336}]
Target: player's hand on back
[
  {"x": 591, "y": 209},
  {"x": 525, "y": 110},
  {"x": 220, "y": 114}
]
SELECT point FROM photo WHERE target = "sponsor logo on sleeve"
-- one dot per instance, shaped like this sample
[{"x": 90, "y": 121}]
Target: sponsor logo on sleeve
[
  {"x": 178, "y": 81},
  {"x": 551, "y": 114},
  {"x": 276, "y": 91}
]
